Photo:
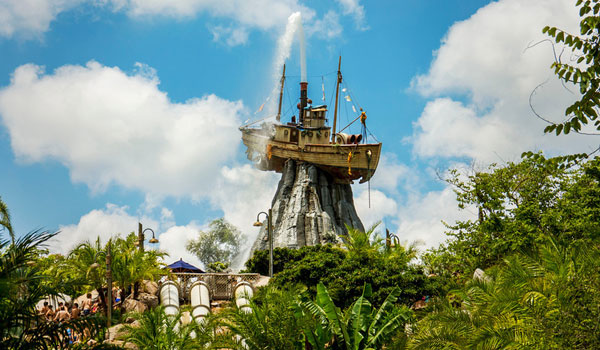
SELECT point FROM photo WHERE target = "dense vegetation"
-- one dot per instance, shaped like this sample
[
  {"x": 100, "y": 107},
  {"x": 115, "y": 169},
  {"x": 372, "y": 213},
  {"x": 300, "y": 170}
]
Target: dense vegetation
[{"x": 345, "y": 270}]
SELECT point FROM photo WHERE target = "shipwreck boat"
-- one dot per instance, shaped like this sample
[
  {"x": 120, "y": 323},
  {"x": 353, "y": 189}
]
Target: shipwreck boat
[{"x": 346, "y": 157}]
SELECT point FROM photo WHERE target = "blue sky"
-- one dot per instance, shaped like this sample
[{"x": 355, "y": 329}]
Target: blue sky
[{"x": 115, "y": 111}]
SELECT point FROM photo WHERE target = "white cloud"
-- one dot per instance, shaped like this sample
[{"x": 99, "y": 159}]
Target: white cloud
[
  {"x": 110, "y": 127},
  {"x": 485, "y": 61},
  {"x": 241, "y": 193},
  {"x": 116, "y": 221},
  {"x": 232, "y": 36},
  {"x": 381, "y": 206},
  {"x": 328, "y": 27},
  {"x": 420, "y": 217},
  {"x": 104, "y": 223},
  {"x": 392, "y": 176},
  {"x": 173, "y": 242},
  {"x": 30, "y": 18},
  {"x": 354, "y": 8},
  {"x": 262, "y": 14}
]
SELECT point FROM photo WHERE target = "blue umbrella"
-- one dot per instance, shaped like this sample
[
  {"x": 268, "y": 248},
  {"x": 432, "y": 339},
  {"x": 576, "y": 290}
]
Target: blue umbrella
[{"x": 182, "y": 266}]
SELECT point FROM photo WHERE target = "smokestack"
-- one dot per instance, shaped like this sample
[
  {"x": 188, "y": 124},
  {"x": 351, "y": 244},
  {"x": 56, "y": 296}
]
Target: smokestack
[{"x": 303, "y": 100}]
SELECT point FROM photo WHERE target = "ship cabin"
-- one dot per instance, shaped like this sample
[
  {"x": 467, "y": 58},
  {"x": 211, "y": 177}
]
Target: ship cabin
[{"x": 311, "y": 130}]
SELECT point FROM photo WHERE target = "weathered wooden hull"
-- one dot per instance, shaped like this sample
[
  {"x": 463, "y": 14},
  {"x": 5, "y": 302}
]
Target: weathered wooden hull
[{"x": 345, "y": 162}]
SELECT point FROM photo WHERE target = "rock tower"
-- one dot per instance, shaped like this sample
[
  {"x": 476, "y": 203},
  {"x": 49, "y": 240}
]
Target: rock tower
[{"x": 309, "y": 208}]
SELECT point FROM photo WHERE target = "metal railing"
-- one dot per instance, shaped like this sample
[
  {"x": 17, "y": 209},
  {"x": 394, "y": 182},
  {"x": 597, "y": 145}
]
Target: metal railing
[{"x": 220, "y": 285}]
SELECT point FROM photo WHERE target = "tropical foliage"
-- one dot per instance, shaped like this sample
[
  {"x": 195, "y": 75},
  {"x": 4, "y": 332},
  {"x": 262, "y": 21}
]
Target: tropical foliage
[
  {"x": 291, "y": 320},
  {"x": 21, "y": 287},
  {"x": 158, "y": 331},
  {"x": 544, "y": 300},
  {"x": 518, "y": 204},
  {"x": 270, "y": 325},
  {"x": 345, "y": 270}
]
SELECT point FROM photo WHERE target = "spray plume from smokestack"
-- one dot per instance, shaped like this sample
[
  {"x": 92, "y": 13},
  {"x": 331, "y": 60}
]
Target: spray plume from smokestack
[
  {"x": 282, "y": 54},
  {"x": 302, "y": 51}
]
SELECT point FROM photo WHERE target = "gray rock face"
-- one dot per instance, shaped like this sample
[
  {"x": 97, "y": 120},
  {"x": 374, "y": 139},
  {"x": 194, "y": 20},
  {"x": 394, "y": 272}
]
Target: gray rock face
[{"x": 308, "y": 209}]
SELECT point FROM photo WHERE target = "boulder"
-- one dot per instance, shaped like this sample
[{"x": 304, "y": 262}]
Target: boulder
[
  {"x": 132, "y": 305},
  {"x": 116, "y": 332},
  {"x": 150, "y": 287},
  {"x": 309, "y": 208},
  {"x": 150, "y": 300}
]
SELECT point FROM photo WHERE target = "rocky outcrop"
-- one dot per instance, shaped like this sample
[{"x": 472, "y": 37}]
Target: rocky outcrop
[
  {"x": 132, "y": 305},
  {"x": 150, "y": 287},
  {"x": 309, "y": 208},
  {"x": 150, "y": 300}
]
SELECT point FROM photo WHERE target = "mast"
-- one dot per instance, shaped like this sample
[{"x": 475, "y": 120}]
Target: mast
[
  {"x": 281, "y": 94},
  {"x": 337, "y": 93}
]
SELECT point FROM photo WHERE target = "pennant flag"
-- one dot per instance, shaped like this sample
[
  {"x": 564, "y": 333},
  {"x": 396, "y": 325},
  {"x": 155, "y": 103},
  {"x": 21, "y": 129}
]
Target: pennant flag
[
  {"x": 348, "y": 98},
  {"x": 353, "y": 109},
  {"x": 323, "y": 88},
  {"x": 344, "y": 90},
  {"x": 261, "y": 108}
]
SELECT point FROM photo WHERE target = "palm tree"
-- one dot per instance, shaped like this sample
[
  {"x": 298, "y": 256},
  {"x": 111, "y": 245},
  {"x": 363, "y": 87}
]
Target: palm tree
[
  {"x": 159, "y": 331},
  {"x": 271, "y": 324},
  {"x": 130, "y": 265},
  {"x": 545, "y": 300},
  {"x": 363, "y": 243},
  {"x": 5, "y": 219},
  {"x": 86, "y": 264},
  {"x": 21, "y": 287}
]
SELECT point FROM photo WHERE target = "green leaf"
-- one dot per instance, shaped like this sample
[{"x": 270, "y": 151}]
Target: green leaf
[
  {"x": 332, "y": 313},
  {"x": 550, "y": 128}
]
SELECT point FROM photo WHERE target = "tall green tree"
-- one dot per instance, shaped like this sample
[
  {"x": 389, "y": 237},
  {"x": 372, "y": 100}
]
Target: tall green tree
[
  {"x": 220, "y": 243},
  {"x": 518, "y": 204},
  {"x": 130, "y": 265},
  {"x": 87, "y": 263}
]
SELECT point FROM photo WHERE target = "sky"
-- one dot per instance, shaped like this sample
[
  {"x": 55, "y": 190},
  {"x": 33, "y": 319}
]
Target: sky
[{"x": 119, "y": 111}]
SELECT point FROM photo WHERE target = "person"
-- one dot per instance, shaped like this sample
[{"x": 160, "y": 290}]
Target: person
[
  {"x": 75, "y": 311},
  {"x": 87, "y": 304},
  {"x": 62, "y": 315},
  {"x": 44, "y": 309},
  {"x": 94, "y": 307},
  {"x": 50, "y": 313}
]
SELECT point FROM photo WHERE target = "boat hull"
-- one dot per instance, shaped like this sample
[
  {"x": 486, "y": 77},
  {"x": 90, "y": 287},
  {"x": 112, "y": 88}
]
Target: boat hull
[{"x": 345, "y": 162}]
